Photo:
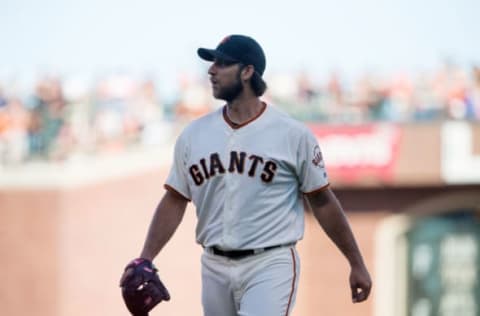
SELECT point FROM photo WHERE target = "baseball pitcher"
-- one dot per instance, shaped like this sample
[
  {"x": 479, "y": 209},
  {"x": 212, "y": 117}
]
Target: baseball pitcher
[{"x": 250, "y": 170}]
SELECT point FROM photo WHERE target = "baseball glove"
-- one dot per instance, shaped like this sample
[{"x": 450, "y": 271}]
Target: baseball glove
[{"x": 141, "y": 287}]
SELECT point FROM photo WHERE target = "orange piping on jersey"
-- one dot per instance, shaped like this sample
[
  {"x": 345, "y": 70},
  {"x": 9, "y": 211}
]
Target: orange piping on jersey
[
  {"x": 318, "y": 190},
  {"x": 172, "y": 190},
  {"x": 293, "y": 281},
  {"x": 235, "y": 125}
]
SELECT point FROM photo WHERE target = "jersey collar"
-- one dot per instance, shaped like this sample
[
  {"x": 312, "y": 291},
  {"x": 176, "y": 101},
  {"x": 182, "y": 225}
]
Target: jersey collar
[{"x": 237, "y": 126}]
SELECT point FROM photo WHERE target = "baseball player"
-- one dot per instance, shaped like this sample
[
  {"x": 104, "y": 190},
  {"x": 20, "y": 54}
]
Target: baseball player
[{"x": 248, "y": 168}]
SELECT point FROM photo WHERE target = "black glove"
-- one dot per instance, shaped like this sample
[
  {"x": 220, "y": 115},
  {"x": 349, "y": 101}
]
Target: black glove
[{"x": 141, "y": 287}]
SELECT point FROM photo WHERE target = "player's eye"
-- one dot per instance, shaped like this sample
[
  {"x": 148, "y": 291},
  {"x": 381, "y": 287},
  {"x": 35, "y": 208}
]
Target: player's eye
[{"x": 224, "y": 63}]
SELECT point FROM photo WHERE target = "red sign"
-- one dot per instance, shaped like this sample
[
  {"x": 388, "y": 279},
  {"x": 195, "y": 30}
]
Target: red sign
[{"x": 359, "y": 153}]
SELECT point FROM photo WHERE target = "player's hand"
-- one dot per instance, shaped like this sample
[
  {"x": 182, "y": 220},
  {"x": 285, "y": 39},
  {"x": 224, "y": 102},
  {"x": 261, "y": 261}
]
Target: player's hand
[{"x": 360, "y": 284}]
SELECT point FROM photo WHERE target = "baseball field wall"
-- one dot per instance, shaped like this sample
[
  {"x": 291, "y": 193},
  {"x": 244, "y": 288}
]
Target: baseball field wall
[{"x": 68, "y": 229}]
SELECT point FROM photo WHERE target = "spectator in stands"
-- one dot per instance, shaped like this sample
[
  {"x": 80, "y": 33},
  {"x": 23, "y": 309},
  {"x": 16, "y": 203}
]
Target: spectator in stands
[
  {"x": 194, "y": 99},
  {"x": 14, "y": 121},
  {"x": 47, "y": 116},
  {"x": 476, "y": 90},
  {"x": 3, "y": 98},
  {"x": 148, "y": 111}
]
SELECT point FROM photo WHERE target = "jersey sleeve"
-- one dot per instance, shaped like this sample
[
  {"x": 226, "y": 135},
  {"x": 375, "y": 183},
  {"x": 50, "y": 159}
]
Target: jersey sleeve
[
  {"x": 177, "y": 180},
  {"x": 311, "y": 168}
]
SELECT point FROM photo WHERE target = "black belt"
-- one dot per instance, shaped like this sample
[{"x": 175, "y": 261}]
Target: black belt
[{"x": 237, "y": 254}]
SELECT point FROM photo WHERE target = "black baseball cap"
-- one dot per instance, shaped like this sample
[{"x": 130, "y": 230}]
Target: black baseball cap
[{"x": 237, "y": 48}]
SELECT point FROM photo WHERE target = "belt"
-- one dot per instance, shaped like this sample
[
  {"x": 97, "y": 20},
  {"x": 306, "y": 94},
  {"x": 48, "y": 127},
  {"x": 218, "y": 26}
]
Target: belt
[{"x": 238, "y": 254}]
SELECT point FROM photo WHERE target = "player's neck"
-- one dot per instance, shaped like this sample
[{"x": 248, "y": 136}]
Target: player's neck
[{"x": 244, "y": 109}]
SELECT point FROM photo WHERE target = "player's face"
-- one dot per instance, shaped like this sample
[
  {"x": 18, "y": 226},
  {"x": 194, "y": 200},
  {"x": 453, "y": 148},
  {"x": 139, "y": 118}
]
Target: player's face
[{"x": 225, "y": 79}]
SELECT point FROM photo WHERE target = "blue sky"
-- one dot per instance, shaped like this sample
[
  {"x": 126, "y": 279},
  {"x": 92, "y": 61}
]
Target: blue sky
[{"x": 162, "y": 36}]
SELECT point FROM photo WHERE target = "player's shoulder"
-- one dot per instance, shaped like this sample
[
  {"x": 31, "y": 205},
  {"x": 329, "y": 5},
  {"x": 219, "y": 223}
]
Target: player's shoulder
[
  {"x": 288, "y": 123},
  {"x": 202, "y": 122}
]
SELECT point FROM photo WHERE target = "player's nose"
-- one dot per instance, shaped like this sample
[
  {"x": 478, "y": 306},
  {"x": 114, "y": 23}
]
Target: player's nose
[{"x": 212, "y": 70}]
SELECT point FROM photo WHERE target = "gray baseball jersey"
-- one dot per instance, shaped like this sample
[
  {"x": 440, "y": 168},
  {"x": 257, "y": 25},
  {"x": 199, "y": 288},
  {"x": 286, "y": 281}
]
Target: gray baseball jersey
[{"x": 247, "y": 181}]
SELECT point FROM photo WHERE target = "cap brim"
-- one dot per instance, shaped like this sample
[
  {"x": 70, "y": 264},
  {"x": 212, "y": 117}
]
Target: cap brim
[{"x": 212, "y": 54}]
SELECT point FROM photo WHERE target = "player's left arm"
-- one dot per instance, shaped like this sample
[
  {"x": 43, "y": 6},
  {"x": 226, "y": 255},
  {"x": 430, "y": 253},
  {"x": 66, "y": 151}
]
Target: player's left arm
[{"x": 331, "y": 217}]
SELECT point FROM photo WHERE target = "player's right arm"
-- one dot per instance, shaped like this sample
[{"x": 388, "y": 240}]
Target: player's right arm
[
  {"x": 171, "y": 208},
  {"x": 168, "y": 216}
]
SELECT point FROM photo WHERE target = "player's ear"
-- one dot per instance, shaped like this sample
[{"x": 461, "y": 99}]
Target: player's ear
[{"x": 247, "y": 72}]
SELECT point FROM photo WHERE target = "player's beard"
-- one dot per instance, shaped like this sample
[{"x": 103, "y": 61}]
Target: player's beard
[{"x": 231, "y": 92}]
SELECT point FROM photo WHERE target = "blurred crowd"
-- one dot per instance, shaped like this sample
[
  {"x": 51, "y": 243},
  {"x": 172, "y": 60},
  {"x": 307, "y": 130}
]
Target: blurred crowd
[
  {"x": 62, "y": 118},
  {"x": 446, "y": 93}
]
